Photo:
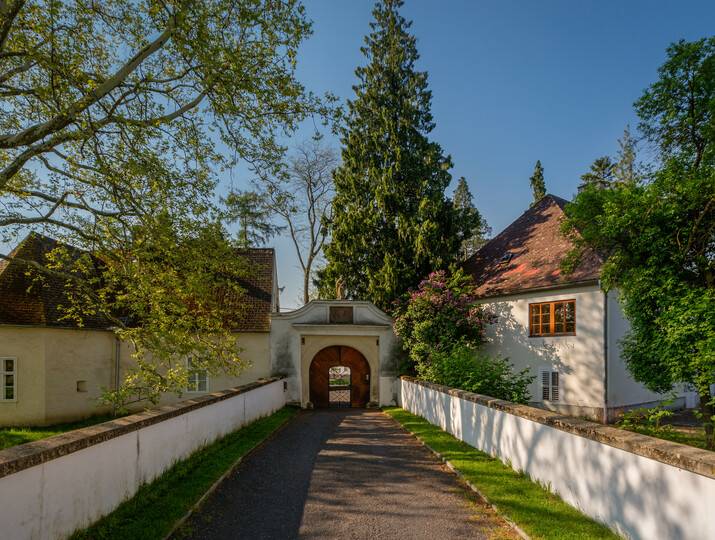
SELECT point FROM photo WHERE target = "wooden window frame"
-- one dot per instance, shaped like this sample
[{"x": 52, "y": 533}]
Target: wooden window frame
[{"x": 537, "y": 320}]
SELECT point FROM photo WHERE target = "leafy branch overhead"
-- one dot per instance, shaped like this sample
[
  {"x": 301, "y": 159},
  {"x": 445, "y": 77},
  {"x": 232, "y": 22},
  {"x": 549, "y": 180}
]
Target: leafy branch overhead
[
  {"x": 657, "y": 228},
  {"x": 111, "y": 117}
]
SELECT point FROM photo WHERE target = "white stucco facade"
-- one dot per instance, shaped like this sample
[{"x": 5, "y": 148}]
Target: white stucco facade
[
  {"x": 297, "y": 336},
  {"x": 593, "y": 377}
]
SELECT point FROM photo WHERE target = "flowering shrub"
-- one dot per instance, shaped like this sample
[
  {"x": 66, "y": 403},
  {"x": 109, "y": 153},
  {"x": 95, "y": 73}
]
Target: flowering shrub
[
  {"x": 438, "y": 315},
  {"x": 442, "y": 330}
]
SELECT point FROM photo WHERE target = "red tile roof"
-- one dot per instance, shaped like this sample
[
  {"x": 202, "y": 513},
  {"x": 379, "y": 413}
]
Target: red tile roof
[
  {"x": 34, "y": 298},
  {"x": 24, "y": 300},
  {"x": 526, "y": 255}
]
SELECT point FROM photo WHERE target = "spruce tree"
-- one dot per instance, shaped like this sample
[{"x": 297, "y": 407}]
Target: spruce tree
[
  {"x": 537, "y": 183},
  {"x": 391, "y": 223},
  {"x": 463, "y": 203}
]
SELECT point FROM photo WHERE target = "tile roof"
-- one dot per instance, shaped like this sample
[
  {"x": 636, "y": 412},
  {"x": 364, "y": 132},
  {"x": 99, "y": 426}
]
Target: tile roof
[
  {"x": 27, "y": 301},
  {"x": 526, "y": 255},
  {"x": 253, "y": 308}
]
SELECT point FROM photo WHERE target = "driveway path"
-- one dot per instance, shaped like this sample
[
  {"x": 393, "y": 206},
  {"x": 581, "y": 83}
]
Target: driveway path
[{"x": 334, "y": 474}]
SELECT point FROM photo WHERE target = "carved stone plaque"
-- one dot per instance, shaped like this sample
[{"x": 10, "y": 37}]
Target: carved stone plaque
[{"x": 341, "y": 314}]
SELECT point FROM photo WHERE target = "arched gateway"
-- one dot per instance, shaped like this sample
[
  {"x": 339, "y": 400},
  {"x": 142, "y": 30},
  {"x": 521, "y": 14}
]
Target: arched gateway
[
  {"x": 331, "y": 387},
  {"x": 351, "y": 336}
]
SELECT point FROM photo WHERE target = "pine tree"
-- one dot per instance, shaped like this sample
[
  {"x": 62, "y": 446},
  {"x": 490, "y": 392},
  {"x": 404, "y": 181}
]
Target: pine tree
[
  {"x": 600, "y": 172},
  {"x": 537, "y": 183},
  {"x": 626, "y": 169},
  {"x": 463, "y": 203},
  {"x": 391, "y": 223}
]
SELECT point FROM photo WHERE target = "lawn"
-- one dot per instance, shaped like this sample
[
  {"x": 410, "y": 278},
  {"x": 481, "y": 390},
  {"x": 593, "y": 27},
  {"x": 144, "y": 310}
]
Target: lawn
[
  {"x": 14, "y": 436},
  {"x": 540, "y": 513},
  {"x": 158, "y": 506}
]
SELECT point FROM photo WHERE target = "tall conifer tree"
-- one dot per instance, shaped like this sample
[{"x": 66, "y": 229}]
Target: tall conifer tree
[
  {"x": 391, "y": 222},
  {"x": 537, "y": 183}
]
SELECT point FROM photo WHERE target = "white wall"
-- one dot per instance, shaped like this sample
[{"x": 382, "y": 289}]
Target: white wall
[
  {"x": 580, "y": 359},
  {"x": 70, "y": 492},
  {"x": 633, "y": 494}
]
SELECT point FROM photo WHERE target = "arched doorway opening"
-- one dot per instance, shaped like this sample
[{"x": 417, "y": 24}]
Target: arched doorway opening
[{"x": 350, "y": 386}]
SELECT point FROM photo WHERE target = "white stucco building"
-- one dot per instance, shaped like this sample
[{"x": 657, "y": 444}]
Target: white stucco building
[{"x": 565, "y": 330}]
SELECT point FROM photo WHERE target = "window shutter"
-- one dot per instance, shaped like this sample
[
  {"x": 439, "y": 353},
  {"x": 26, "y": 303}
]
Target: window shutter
[
  {"x": 550, "y": 387},
  {"x": 545, "y": 385},
  {"x": 554, "y": 386}
]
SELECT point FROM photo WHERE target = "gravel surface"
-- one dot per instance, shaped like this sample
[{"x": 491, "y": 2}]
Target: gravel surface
[{"x": 337, "y": 474}]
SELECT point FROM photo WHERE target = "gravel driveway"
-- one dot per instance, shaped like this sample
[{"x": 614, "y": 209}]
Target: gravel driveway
[{"x": 342, "y": 473}]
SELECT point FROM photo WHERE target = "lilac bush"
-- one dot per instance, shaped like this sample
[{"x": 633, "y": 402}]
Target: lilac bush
[{"x": 439, "y": 315}]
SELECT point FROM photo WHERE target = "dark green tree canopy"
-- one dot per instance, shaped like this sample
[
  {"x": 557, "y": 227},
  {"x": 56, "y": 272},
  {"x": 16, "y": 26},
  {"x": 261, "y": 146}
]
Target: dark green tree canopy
[
  {"x": 538, "y": 185},
  {"x": 600, "y": 172},
  {"x": 463, "y": 203},
  {"x": 391, "y": 223}
]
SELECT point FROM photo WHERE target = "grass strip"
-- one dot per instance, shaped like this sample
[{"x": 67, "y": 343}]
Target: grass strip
[
  {"x": 14, "y": 436},
  {"x": 537, "y": 511},
  {"x": 157, "y": 506}
]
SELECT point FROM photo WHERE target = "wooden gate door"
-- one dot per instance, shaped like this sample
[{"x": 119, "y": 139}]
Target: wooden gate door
[{"x": 339, "y": 355}]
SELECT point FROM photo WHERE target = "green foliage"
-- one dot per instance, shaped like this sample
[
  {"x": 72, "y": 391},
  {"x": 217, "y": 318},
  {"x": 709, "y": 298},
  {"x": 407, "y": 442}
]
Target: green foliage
[
  {"x": 439, "y": 315},
  {"x": 112, "y": 116},
  {"x": 463, "y": 367},
  {"x": 647, "y": 421},
  {"x": 248, "y": 209},
  {"x": 441, "y": 331},
  {"x": 658, "y": 234},
  {"x": 463, "y": 203},
  {"x": 600, "y": 173},
  {"x": 391, "y": 222},
  {"x": 538, "y": 185}
]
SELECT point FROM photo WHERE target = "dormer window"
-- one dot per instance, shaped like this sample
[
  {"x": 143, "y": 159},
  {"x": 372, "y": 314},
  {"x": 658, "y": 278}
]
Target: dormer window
[{"x": 506, "y": 258}]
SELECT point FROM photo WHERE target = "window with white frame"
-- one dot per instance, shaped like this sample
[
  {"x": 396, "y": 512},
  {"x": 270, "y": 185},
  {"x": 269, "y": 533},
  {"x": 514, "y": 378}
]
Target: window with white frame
[
  {"x": 550, "y": 385},
  {"x": 197, "y": 380},
  {"x": 8, "y": 379}
]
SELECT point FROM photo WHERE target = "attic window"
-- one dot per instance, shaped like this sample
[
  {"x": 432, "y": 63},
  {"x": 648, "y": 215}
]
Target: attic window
[{"x": 506, "y": 258}]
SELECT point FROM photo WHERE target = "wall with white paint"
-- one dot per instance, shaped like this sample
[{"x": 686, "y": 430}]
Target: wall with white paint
[
  {"x": 50, "y": 488},
  {"x": 641, "y": 487}
]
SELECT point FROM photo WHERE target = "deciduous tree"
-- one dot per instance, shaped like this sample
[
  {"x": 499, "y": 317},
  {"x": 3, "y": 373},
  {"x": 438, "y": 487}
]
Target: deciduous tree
[
  {"x": 302, "y": 197},
  {"x": 110, "y": 116},
  {"x": 658, "y": 234}
]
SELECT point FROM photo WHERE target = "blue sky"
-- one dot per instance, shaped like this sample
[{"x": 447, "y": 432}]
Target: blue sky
[{"x": 512, "y": 82}]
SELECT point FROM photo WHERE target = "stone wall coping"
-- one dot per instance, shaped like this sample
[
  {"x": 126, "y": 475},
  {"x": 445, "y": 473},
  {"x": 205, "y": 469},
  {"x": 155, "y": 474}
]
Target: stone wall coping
[
  {"x": 678, "y": 455},
  {"x": 18, "y": 458}
]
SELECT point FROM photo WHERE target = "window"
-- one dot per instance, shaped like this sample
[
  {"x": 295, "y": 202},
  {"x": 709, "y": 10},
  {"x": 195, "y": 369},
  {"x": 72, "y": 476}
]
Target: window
[
  {"x": 197, "y": 380},
  {"x": 552, "y": 318},
  {"x": 549, "y": 385},
  {"x": 8, "y": 379}
]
